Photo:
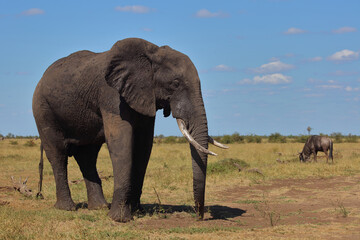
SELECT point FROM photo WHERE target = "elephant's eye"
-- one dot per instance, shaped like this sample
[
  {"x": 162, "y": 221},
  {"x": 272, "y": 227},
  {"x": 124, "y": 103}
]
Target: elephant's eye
[{"x": 175, "y": 84}]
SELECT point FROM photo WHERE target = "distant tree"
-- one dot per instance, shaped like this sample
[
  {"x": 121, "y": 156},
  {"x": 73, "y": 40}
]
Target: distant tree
[
  {"x": 351, "y": 138},
  {"x": 309, "y": 129},
  {"x": 10, "y": 135},
  {"x": 277, "y": 138},
  {"x": 226, "y": 139},
  {"x": 236, "y": 137},
  {"x": 338, "y": 137}
]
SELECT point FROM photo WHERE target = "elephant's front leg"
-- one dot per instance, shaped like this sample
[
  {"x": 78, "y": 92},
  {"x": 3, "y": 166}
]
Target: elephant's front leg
[
  {"x": 143, "y": 141},
  {"x": 119, "y": 138}
]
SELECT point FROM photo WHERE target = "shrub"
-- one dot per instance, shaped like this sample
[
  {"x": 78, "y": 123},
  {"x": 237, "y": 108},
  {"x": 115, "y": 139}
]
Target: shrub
[
  {"x": 351, "y": 138},
  {"x": 181, "y": 140},
  {"x": 277, "y": 138},
  {"x": 170, "y": 139},
  {"x": 337, "y": 136},
  {"x": 237, "y": 138},
  {"x": 253, "y": 139},
  {"x": 226, "y": 165},
  {"x": 226, "y": 139},
  {"x": 234, "y": 138},
  {"x": 301, "y": 138},
  {"x": 30, "y": 143}
]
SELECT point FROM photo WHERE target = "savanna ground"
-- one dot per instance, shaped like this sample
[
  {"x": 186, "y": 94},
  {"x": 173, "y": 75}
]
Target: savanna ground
[{"x": 273, "y": 196}]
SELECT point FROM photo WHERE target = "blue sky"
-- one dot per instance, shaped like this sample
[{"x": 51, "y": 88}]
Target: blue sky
[{"x": 265, "y": 65}]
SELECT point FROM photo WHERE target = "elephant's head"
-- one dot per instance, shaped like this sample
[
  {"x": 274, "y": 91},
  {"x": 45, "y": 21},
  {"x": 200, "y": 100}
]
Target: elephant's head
[{"x": 149, "y": 78}]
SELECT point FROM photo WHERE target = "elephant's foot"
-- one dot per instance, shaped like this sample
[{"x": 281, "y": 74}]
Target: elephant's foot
[
  {"x": 120, "y": 212},
  {"x": 96, "y": 199},
  {"x": 65, "y": 205}
]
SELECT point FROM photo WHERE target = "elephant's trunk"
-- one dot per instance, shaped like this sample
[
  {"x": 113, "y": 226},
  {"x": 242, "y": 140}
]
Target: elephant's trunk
[
  {"x": 196, "y": 132},
  {"x": 199, "y": 131}
]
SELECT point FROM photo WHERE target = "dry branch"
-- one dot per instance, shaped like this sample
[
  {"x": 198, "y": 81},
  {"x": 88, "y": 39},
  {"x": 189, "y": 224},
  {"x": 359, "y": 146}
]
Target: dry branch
[
  {"x": 255, "y": 170},
  {"x": 21, "y": 187},
  {"x": 238, "y": 166}
]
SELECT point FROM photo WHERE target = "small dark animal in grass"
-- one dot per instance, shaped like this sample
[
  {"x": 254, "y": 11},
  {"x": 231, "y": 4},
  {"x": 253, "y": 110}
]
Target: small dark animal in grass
[
  {"x": 316, "y": 144},
  {"x": 87, "y": 99}
]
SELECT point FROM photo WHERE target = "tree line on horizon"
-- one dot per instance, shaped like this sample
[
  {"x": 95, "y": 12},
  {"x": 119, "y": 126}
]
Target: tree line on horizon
[{"x": 235, "y": 138}]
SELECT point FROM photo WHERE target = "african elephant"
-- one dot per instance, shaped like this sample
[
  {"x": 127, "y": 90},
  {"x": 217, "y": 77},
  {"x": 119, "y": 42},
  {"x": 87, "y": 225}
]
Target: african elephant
[{"x": 87, "y": 99}]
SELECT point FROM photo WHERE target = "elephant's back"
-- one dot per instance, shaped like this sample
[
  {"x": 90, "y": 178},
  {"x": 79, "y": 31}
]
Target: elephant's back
[
  {"x": 68, "y": 90},
  {"x": 67, "y": 68},
  {"x": 67, "y": 77}
]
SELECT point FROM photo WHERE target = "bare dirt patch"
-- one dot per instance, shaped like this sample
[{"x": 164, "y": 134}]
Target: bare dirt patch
[{"x": 292, "y": 202}]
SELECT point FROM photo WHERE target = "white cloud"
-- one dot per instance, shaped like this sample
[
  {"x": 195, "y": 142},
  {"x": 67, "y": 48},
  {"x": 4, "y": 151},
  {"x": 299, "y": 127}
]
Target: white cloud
[
  {"x": 32, "y": 12},
  {"x": 330, "y": 86},
  {"x": 344, "y": 55},
  {"x": 293, "y": 30},
  {"x": 315, "y": 59},
  {"x": 272, "y": 67},
  {"x": 223, "y": 68},
  {"x": 133, "y": 9},
  {"x": 204, "y": 13},
  {"x": 344, "y": 30},
  {"x": 276, "y": 78},
  {"x": 314, "y": 80},
  {"x": 351, "y": 89},
  {"x": 343, "y": 73}
]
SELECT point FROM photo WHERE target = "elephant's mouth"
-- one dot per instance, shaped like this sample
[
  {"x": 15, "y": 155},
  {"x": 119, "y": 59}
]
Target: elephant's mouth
[
  {"x": 164, "y": 104},
  {"x": 194, "y": 143}
]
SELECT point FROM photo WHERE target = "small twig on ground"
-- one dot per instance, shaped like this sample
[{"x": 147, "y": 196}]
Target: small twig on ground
[
  {"x": 238, "y": 166},
  {"x": 255, "y": 170},
  {"x": 157, "y": 195}
]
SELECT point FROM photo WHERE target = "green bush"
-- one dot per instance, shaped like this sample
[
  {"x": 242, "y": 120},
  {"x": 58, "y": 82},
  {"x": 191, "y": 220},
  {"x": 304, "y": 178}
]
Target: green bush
[
  {"x": 253, "y": 139},
  {"x": 351, "y": 138},
  {"x": 277, "y": 138},
  {"x": 301, "y": 138},
  {"x": 234, "y": 138},
  {"x": 226, "y": 139},
  {"x": 170, "y": 139},
  {"x": 226, "y": 165},
  {"x": 30, "y": 143},
  {"x": 337, "y": 136}
]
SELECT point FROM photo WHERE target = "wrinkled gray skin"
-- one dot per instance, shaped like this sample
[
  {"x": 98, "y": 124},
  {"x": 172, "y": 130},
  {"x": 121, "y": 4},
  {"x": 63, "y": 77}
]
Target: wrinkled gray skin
[
  {"x": 87, "y": 98},
  {"x": 316, "y": 144}
]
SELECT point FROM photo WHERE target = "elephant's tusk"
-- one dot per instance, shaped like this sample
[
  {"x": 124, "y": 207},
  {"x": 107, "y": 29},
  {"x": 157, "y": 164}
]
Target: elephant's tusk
[
  {"x": 215, "y": 143},
  {"x": 190, "y": 139}
]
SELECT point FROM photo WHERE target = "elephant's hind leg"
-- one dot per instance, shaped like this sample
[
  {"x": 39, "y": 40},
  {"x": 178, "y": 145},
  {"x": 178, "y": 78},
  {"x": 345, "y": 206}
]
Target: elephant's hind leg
[
  {"x": 86, "y": 157},
  {"x": 54, "y": 147}
]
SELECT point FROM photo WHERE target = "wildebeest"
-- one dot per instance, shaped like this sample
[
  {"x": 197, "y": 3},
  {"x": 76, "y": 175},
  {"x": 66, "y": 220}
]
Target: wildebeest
[{"x": 315, "y": 144}]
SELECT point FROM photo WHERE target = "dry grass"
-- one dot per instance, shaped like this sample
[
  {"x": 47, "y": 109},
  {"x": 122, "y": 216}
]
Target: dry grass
[{"x": 170, "y": 173}]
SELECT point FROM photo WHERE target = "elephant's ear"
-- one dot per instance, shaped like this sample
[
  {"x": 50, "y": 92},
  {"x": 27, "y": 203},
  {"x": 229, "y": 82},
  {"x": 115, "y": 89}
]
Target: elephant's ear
[{"x": 130, "y": 72}]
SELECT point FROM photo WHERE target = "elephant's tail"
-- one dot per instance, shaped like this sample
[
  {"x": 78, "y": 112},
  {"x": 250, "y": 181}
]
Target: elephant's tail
[
  {"x": 41, "y": 168},
  {"x": 331, "y": 151}
]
